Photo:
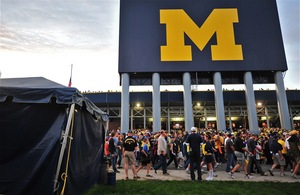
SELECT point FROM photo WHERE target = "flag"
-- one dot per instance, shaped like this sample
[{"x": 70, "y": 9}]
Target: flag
[{"x": 70, "y": 82}]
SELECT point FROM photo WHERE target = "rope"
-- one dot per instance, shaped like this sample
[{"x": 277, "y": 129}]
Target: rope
[{"x": 65, "y": 174}]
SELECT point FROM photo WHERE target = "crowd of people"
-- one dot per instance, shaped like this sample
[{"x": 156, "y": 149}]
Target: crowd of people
[{"x": 203, "y": 150}]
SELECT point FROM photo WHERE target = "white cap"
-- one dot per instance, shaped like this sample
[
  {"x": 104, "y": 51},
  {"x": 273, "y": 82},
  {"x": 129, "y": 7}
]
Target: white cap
[{"x": 193, "y": 129}]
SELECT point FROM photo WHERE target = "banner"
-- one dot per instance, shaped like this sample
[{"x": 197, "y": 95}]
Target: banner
[{"x": 200, "y": 35}]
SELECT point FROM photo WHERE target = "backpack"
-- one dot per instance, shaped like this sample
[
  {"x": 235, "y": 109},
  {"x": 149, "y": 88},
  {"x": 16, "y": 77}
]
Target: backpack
[{"x": 274, "y": 146}]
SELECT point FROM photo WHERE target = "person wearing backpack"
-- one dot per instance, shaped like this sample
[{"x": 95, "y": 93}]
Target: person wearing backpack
[{"x": 279, "y": 159}]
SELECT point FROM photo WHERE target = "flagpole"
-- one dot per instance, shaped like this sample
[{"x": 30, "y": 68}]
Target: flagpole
[
  {"x": 70, "y": 81},
  {"x": 71, "y": 70}
]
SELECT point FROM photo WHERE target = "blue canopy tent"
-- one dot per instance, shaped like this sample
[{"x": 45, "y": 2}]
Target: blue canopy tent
[{"x": 51, "y": 138}]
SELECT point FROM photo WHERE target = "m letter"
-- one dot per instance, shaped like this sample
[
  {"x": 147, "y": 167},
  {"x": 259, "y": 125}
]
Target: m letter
[{"x": 220, "y": 21}]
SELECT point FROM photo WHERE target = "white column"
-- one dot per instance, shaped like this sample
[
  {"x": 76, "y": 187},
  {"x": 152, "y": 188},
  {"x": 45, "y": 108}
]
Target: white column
[
  {"x": 187, "y": 98},
  {"x": 251, "y": 106},
  {"x": 282, "y": 102},
  {"x": 156, "y": 102},
  {"x": 125, "y": 102},
  {"x": 219, "y": 102}
]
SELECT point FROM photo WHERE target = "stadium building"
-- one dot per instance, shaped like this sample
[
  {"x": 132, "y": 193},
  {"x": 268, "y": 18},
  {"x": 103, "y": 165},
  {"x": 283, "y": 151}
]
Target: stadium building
[{"x": 204, "y": 112}]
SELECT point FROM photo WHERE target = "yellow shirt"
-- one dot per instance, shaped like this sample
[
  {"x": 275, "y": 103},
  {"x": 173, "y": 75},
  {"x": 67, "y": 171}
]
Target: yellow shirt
[
  {"x": 222, "y": 140},
  {"x": 281, "y": 142}
]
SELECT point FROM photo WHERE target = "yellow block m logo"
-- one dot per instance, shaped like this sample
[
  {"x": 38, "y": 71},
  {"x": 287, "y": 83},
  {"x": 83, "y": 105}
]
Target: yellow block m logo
[{"x": 220, "y": 21}]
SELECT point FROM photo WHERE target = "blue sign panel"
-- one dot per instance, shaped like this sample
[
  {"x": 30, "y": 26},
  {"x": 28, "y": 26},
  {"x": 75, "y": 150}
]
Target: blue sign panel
[{"x": 200, "y": 35}]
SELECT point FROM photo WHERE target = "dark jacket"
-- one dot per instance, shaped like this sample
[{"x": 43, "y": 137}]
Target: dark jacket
[
  {"x": 111, "y": 146},
  {"x": 294, "y": 143}
]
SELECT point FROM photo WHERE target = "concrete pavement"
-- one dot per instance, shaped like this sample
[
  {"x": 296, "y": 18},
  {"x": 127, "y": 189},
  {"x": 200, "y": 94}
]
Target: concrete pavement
[{"x": 220, "y": 175}]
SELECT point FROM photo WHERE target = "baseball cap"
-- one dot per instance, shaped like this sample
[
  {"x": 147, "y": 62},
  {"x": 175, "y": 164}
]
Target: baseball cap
[
  {"x": 129, "y": 131},
  {"x": 193, "y": 129}
]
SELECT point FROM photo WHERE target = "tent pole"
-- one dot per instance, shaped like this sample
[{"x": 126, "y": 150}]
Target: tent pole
[{"x": 63, "y": 147}]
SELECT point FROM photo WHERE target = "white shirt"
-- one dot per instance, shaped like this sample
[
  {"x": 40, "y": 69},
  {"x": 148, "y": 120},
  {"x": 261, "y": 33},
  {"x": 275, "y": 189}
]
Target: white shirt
[
  {"x": 161, "y": 145},
  {"x": 287, "y": 144}
]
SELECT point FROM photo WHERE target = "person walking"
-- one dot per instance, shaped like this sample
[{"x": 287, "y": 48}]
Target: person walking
[
  {"x": 120, "y": 149},
  {"x": 194, "y": 140},
  {"x": 251, "y": 144},
  {"x": 209, "y": 157},
  {"x": 173, "y": 152},
  {"x": 186, "y": 156},
  {"x": 281, "y": 141},
  {"x": 179, "y": 142},
  {"x": 289, "y": 157},
  {"x": 162, "y": 152},
  {"x": 154, "y": 149},
  {"x": 294, "y": 143},
  {"x": 278, "y": 158},
  {"x": 145, "y": 157},
  {"x": 129, "y": 146},
  {"x": 113, "y": 152},
  {"x": 229, "y": 148},
  {"x": 240, "y": 149},
  {"x": 219, "y": 146}
]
